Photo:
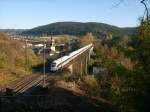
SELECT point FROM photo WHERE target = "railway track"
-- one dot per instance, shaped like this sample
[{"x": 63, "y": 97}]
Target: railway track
[{"x": 26, "y": 83}]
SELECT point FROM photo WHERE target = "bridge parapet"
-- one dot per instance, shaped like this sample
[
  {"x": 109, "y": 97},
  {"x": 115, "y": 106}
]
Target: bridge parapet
[{"x": 76, "y": 61}]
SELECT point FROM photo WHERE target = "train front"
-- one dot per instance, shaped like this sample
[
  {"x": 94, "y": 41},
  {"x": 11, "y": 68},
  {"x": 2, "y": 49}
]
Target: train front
[{"x": 53, "y": 67}]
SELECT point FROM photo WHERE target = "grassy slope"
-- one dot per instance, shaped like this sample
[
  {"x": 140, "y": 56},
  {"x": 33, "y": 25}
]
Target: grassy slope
[{"x": 12, "y": 59}]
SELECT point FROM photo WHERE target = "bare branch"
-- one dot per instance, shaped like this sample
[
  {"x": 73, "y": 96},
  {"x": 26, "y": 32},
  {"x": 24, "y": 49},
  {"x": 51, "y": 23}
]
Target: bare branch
[
  {"x": 117, "y": 4},
  {"x": 146, "y": 8}
]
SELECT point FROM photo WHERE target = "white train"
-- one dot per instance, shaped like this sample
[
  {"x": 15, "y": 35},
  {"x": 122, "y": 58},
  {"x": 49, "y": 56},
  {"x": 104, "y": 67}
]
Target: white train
[{"x": 61, "y": 62}]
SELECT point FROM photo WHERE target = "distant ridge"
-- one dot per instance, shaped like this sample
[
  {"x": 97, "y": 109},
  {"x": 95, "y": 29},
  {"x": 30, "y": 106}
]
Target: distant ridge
[
  {"x": 14, "y": 31},
  {"x": 79, "y": 28}
]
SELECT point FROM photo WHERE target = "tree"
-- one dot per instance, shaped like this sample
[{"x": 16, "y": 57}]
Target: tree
[
  {"x": 87, "y": 39},
  {"x": 127, "y": 89},
  {"x": 131, "y": 94}
]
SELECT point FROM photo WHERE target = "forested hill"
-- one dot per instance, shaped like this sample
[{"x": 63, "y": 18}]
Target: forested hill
[
  {"x": 78, "y": 28},
  {"x": 12, "y": 31}
]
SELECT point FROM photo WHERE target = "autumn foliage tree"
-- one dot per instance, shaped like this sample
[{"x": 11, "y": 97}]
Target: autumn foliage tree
[
  {"x": 87, "y": 39},
  {"x": 131, "y": 88}
]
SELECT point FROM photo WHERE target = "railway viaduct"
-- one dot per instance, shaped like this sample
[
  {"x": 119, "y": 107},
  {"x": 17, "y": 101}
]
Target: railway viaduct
[{"x": 78, "y": 65}]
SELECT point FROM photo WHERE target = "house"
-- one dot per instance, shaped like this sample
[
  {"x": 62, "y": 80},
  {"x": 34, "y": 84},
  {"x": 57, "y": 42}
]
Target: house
[
  {"x": 39, "y": 45},
  {"x": 98, "y": 69}
]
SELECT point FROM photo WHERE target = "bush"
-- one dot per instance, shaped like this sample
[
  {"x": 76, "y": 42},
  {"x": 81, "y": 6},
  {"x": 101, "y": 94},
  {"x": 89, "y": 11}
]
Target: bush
[{"x": 90, "y": 85}]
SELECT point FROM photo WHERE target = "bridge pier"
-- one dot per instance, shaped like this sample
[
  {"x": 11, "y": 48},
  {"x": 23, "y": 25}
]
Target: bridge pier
[
  {"x": 71, "y": 68},
  {"x": 86, "y": 65},
  {"x": 79, "y": 65}
]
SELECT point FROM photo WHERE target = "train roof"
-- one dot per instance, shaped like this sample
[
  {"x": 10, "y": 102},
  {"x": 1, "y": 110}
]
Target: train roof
[{"x": 64, "y": 58}]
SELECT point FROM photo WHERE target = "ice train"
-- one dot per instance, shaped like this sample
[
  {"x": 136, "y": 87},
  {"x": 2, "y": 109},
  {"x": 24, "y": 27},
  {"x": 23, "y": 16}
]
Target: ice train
[{"x": 61, "y": 62}]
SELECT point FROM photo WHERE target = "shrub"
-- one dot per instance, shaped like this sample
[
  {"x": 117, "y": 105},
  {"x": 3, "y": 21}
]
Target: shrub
[{"x": 90, "y": 85}]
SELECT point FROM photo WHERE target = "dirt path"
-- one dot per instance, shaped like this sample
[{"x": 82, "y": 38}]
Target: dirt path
[
  {"x": 58, "y": 97},
  {"x": 67, "y": 97},
  {"x": 69, "y": 101}
]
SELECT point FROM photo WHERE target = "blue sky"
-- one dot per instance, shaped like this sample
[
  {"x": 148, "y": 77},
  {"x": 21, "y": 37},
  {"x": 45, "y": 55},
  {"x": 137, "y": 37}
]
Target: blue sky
[{"x": 26, "y": 14}]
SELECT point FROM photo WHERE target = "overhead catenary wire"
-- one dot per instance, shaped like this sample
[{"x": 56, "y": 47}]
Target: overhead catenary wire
[{"x": 44, "y": 63}]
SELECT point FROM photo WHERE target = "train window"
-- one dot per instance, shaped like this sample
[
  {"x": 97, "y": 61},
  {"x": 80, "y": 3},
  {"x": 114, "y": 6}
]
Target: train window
[{"x": 53, "y": 64}]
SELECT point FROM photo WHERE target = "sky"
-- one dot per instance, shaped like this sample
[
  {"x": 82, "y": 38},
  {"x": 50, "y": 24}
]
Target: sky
[{"x": 26, "y": 14}]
